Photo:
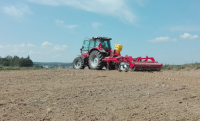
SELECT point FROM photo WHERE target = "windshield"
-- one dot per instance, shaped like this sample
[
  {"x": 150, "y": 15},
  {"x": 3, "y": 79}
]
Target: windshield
[{"x": 105, "y": 43}]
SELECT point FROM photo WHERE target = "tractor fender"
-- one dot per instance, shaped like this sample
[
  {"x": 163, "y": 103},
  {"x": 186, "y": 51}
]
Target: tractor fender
[
  {"x": 81, "y": 56},
  {"x": 102, "y": 51},
  {"x": 84, "y": 59}
]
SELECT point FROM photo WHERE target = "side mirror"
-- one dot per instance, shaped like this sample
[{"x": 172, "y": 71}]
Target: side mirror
[{"x": 82, "y": 48}]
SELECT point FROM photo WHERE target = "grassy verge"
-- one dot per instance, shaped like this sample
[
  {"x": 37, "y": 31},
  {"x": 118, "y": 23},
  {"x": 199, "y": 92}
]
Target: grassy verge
[
  {"x": 17, "y": 68},
  {"x": 194, "y": 66}
]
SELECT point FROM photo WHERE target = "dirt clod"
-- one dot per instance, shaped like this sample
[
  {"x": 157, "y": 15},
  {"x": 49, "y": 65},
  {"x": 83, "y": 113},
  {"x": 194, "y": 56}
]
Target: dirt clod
[{"x": 89, "y": 95}]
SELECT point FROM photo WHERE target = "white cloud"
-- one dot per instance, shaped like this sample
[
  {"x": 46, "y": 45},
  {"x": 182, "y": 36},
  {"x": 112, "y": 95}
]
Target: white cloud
[
  {"x": 185, "y": 28},
  {"x": 140, "y": 2},
  {"x": 46, "y": 52},
  {"x": 96, "y": 25},
  {"x": 30, "y": 45},
  {"x": 60, "y": 23},
  {"x": 71, "y": 26},
  {"x": 56, "y": 47},
  {"x": 163, "y": 39},
  {"x": 116, "y": 8},
  {"x": 46, "y": 44},
  {"x": 21, "y": 45},
  {"x": 34, "y": 52},
  {"x": 17, "y": 46},
  {"x": 56, "y": 56},
  {"x": 1, "y": 47},
  {"x": 17, "y": 50},
  {"x": 188, "y": 36},
  {"x": 16, "y": 11},
  {"x": 33, "y": 49}
]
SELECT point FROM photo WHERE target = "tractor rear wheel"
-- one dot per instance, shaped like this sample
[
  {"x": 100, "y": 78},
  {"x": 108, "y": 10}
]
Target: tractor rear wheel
[
  {"x": 95, "y": 60},
  {"x": 78, "y": 63}
]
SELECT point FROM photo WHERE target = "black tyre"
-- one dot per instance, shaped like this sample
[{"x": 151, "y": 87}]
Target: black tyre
[
  {"x": 112, "y": 67},
  {"x": 124, "y": 66},
  {"x": 95, "y": 60},
  {"x": 78, "y": 63}
]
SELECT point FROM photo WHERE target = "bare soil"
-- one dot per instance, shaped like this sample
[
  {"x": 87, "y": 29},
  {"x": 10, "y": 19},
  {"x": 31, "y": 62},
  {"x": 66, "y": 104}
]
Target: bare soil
[{"x": 88, "y": 95}]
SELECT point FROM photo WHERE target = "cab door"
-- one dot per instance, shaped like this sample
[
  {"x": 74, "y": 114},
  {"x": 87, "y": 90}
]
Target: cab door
[
  {"x": 85, "y": 48},
  {"x": 86, "y": 43},
  {"x": 98, "y": 41},
  {"x": 92, "y": 44}
]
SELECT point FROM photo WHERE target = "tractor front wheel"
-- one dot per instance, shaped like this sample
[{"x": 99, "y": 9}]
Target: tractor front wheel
[
  {"x": 95, "y": 60},
  {"x": 78, "y": 63}
]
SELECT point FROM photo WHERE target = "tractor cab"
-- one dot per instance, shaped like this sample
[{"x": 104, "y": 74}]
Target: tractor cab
[{"x": 93, "y": 42}]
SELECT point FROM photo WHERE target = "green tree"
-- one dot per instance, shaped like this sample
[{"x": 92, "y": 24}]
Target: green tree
[
  {"x": 5, "y": 63},
  {"x": 25, "y": 62},
  {"x": 28, "y": 57},
  {"x": 9, "y": 59},
  {"x": 1, "y": 61},
  {"x": 15, "y": 61}
]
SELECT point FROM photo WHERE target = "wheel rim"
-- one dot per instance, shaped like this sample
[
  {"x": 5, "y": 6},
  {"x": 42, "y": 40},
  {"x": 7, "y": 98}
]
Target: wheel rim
[
  {"x": 94, "y": 61},
  {"x": 78, "y": 64},
  {"x": 123, "y": 67}
]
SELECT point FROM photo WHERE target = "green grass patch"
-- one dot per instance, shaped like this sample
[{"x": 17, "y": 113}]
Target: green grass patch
[
  {"x": 18, "y": 68},
  {"x": 193, "y": 66}
]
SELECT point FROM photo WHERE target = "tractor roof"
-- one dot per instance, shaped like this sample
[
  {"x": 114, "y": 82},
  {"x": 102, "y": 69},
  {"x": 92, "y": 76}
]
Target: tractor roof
[{"x": 102, "y": 38}]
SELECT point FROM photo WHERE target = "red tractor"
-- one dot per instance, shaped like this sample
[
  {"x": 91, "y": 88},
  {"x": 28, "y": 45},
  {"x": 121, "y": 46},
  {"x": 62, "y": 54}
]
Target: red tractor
[{"x": 97, "y": 53}]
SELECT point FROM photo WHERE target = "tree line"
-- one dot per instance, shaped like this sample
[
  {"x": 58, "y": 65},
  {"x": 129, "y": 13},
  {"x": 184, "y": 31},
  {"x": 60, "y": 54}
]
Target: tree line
[{"x": 16, "y": 61}]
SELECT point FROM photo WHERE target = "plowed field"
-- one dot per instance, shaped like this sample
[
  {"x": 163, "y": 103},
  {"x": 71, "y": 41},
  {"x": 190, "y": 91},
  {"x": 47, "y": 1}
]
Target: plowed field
[{"x": 87, "y": 95}]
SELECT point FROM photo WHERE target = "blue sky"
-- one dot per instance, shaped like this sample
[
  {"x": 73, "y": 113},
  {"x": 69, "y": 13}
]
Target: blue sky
[{"x": 53, "y": 30}]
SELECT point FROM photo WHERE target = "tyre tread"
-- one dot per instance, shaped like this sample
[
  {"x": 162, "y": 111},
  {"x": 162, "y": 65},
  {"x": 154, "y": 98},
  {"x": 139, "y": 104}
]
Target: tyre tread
[
  {"x": 101, "y": 63},
  {"x": 82, "y": 62}
]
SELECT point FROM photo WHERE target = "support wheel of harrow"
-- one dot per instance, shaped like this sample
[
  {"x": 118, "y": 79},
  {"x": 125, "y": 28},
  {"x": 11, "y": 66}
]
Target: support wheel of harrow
[
  {"x": 95, "y": 60},
  {"x": 78, "y": 63},
  {"x": 124, "y": 67}
]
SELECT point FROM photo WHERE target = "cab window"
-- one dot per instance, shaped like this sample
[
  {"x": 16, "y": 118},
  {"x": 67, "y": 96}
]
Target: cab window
[
  {"x": 91, "y": 44},
  {"x": 98, "y": 41},
  {"x": 85, "y": 45}
]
